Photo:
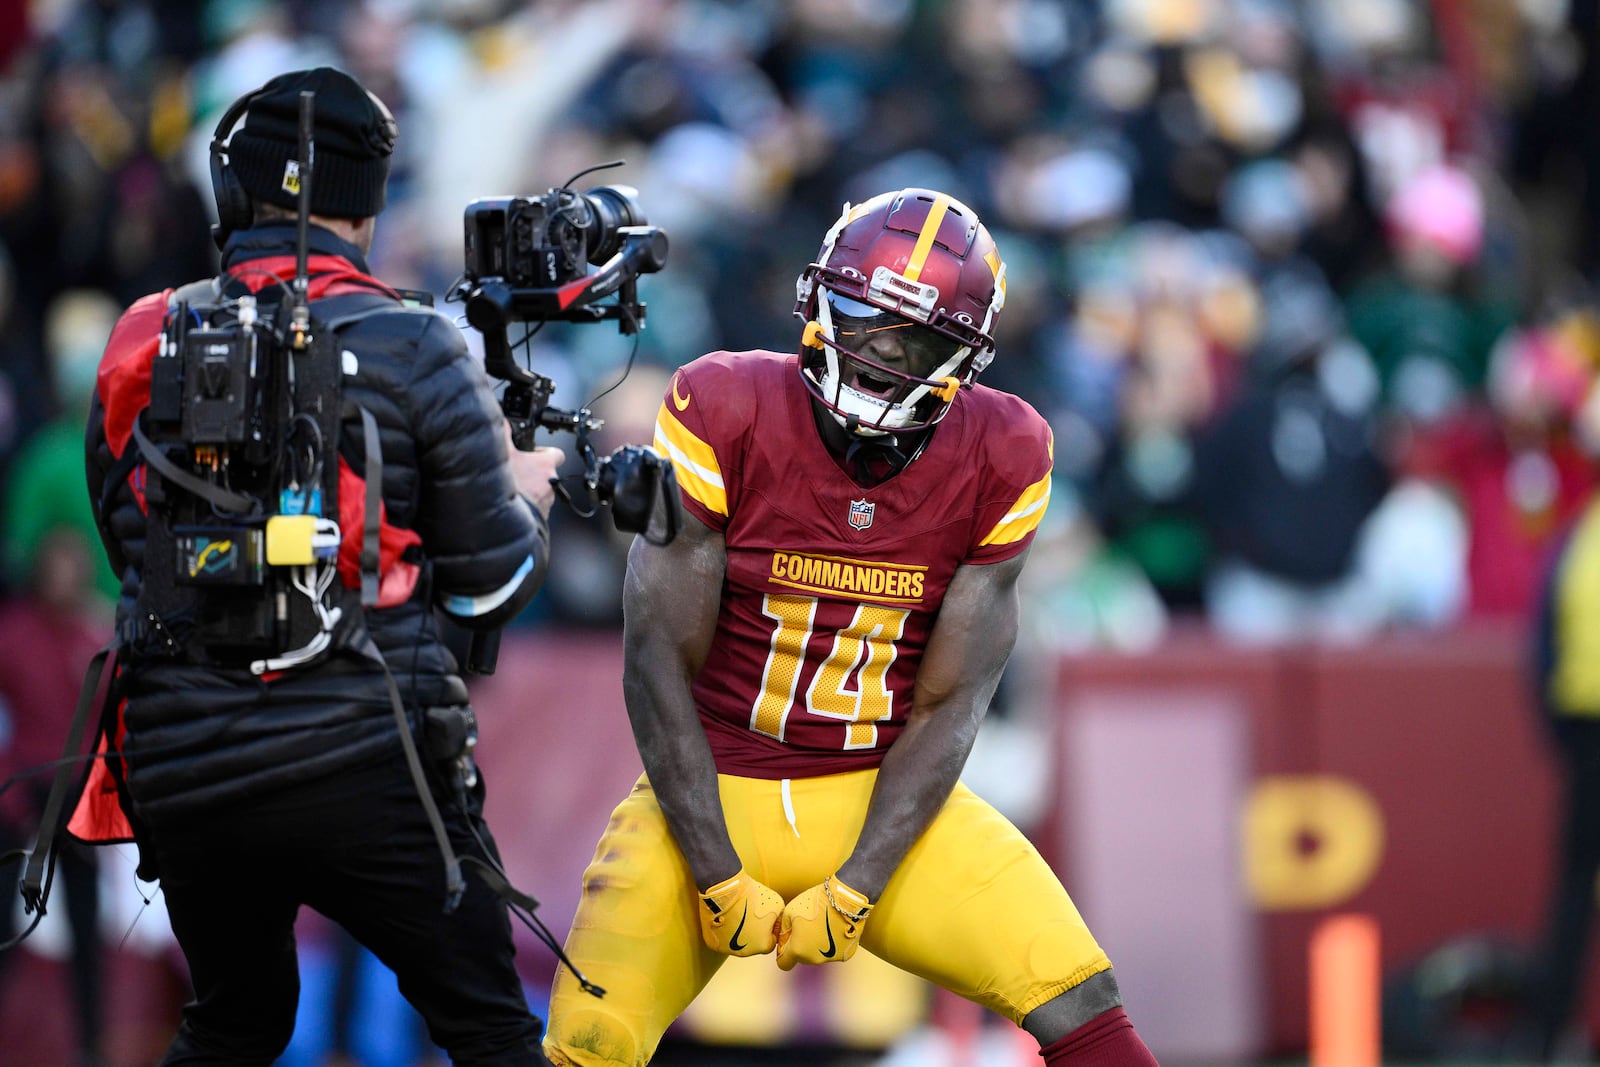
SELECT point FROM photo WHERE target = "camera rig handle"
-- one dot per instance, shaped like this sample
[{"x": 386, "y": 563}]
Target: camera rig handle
[
  {"x": 493, "y": 304},
  {"x": 527, "y": 408}
]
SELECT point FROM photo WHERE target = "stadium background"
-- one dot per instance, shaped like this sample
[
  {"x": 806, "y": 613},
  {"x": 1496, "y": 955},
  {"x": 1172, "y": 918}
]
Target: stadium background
[{"x": 1304, "y": 287}]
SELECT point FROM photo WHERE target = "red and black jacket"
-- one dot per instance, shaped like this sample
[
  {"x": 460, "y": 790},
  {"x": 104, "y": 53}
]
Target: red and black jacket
[{"x": 455, "y": 534}]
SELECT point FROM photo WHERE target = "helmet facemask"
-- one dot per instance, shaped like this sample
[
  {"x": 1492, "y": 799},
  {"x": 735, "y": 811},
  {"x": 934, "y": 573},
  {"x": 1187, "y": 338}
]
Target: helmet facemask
[
  {"x": 869, "y": 395},
  {"x": 884, "y": 350}
]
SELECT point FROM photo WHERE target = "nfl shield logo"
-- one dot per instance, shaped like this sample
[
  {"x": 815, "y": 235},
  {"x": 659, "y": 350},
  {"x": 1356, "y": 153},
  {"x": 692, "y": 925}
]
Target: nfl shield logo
[{"x": 860, "y": 514}]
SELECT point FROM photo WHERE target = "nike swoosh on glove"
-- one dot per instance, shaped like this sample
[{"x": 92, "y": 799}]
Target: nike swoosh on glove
[
  {"x": 739, "y": 916},
  {"x": 822, "y": 925}
]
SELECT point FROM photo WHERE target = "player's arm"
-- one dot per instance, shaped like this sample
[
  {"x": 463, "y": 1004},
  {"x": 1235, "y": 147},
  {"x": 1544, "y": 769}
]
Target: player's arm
[
  {"x": 960, "y": 669},
  {"x": 670, "y": 600},
  {"x": 671, "y": 597}
]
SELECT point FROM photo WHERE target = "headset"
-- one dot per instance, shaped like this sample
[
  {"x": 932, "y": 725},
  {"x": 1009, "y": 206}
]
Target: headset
[{"x": 234, "y": 209}]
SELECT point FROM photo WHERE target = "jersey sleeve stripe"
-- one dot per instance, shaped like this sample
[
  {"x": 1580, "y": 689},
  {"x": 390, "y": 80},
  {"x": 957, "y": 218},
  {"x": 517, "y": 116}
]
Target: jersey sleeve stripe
[
  {"x": 695, "y": 462},
  {"x": 1024, "y": 515}
]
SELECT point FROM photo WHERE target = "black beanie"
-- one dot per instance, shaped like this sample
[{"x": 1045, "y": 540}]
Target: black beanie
[{"x": 353, "y": 136}]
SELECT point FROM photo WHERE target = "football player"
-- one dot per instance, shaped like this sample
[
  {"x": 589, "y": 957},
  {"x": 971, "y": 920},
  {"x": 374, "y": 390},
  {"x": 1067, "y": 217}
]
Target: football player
[{"x": 806, "y": 666}]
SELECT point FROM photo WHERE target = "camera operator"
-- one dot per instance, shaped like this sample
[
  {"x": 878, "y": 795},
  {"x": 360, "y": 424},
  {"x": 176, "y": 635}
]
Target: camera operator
[{"x": 252, "y": 792}]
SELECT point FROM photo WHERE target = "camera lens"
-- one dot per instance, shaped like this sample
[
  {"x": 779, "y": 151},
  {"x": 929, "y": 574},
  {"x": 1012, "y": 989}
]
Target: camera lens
[{"x": 613, "y": 207}]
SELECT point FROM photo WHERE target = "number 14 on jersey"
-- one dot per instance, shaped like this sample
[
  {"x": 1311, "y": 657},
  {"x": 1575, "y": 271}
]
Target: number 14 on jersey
[{"x": 850, "y": 683}]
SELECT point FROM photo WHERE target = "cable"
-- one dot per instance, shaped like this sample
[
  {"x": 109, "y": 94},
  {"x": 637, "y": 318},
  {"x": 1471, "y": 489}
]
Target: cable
[
  {"x": 301, "y": 580},
  {"x": 42, "y": 768},
  {"x": 145, "y": 902},
  {"x": 567, "y": 185},
  {"x": 515, "y": 898},
  {"x": 633, "y": 353},
  {"x": 312, "y": 475},
  {"x": 529, "y": 332},
  {"x": 257, "y": 272}
]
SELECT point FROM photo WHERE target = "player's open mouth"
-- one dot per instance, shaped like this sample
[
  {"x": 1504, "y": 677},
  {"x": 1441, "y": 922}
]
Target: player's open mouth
[{"x": 873, "y": 385}]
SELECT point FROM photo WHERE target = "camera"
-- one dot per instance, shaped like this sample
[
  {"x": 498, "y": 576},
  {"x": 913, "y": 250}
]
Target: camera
[
  {"x": 545, "y": 242},
  {"x": 527, "y": 261}
]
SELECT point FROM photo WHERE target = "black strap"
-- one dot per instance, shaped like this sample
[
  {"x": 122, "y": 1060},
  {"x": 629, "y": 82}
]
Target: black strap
[
  {"x": 115, "y": 477},
  {"x": 34, "y": 890},
  {"x": 455, "y": 885},
  {"x": 523, "y": 906},
  {"x": 372, "y": 519},
  {"x": 226, "y": 499},
  {"x": 501, "y": 887}
]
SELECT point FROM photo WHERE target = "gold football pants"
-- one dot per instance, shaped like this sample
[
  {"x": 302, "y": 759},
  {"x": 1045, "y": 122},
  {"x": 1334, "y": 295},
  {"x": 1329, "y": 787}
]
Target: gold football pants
[{"x": 973, "y": 908}]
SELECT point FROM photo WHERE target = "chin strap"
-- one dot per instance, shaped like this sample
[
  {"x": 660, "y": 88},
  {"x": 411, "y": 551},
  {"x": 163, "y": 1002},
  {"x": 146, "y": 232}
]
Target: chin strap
[
  {"x": 868, "y": 459},
  {"x": 874, "y": 459}
]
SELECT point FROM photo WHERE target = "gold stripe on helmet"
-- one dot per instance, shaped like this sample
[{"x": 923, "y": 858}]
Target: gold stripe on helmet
[
  {"x": 997, "y": 266},
  {"x": 930, "y": 230}
]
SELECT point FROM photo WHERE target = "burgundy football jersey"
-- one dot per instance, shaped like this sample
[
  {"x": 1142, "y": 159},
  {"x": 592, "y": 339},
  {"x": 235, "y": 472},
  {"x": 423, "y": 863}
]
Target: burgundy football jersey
[{"x": 832, "y": 589}]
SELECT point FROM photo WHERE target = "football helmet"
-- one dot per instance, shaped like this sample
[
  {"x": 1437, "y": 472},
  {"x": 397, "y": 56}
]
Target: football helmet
[{"x": 899, "y": 308}]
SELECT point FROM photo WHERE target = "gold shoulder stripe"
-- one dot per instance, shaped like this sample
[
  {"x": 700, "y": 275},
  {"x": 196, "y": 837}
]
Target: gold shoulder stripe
[
  {"x": 695, "y": 462},
  {"x": 1024, "y": 515}
]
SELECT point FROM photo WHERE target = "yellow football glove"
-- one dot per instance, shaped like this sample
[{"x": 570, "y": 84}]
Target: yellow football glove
[
  {"x": 822, "y": 925},
  {"x": 739, "y": 916}
]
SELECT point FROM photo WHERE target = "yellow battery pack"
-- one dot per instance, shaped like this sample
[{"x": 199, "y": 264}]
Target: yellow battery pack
[{"x": 289, "y": 540}]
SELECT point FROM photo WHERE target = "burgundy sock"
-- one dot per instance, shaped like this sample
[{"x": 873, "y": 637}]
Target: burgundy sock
[{"x": 1107, "y": 1040}]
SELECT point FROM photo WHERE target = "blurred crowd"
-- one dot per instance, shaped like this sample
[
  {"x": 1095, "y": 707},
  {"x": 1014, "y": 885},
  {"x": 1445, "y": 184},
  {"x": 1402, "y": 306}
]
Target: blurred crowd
[{"x": 1305, "y": 287}]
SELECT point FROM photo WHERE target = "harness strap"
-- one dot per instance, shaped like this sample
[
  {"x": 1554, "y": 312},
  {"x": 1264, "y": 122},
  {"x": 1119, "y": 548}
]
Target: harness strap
[
  {"x": 35, "y": 889},
  {"x": 226, "y": 499},
  {"x": 370, "y": 522},
  {"x": 118, "y": 474},
  {"x": 455, "y": 885}
]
